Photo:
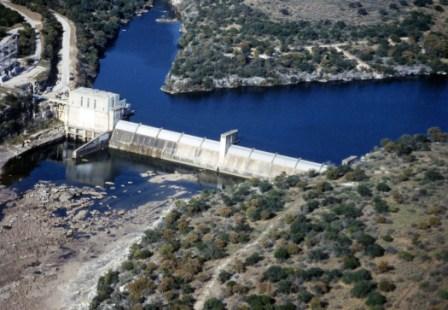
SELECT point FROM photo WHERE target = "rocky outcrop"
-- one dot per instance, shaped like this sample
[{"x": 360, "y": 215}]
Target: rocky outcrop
[{"x": 177, "y": 85}]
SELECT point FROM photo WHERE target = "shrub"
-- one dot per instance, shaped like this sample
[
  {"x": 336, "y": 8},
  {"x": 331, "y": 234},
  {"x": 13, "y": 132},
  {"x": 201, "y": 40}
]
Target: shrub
[
  {"x": 433, "y": 175},
  {"x": 388, "y": 238},
  {"x": 137, "y": 288},
  {"x": 322, "y": 187},
  {"x": 356, "y": 175},
  {"x": 334, "y": 173},
  {"x": 305, "y": 296},
  {"x": 310, "y": 274},
  {"x": 443, "y": 294},
  {"x": 265, "y": 186},
  {"x": 281, "y": 253},
  {"x": 380, "y": 205},
  {"x": 374, "y": 250},
  {"x": 285, "y": 287},
  {"x": 317, "y": 255},
  {"x": 275, "y": 274},
  {"x": 224, "y": 276},
  {"x": 351, "y": 262},
  {"x": 210, "y": 250},
  {"x": 442, "y": 255},
  {"x": 365, "y": 239},
  {"x": 364, "y": 190},
  {"x": 356, "y": 276},
  {"x": 362, "y": 288},
  {"x": 348, "y": 210},
  {"x": 128, "y": 265},
  {"x": 151, "y": 236},
  {"x": 312, "y": 205},
  {"x": 383, "y": 187},
  {"x": 214, "y": 304},
  {"x": 104, "y": 288},
  {"x": 137, "y": 252},
  {"x": 375, "y": 299},
  {"x": 253, "y": 259},
  {"x": 435, "y": 134},
  {"x": 293, "y": 180},
  {"x": 386, "y": 286},
  {"x": 260, "y": 301},
  {"x": 406, "y": 256}
]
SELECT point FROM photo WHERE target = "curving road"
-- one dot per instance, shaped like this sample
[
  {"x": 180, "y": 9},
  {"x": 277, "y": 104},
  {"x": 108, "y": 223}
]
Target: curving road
[
  {"x": 35, "y": 21},
  {"x": 68, "y": 55}
]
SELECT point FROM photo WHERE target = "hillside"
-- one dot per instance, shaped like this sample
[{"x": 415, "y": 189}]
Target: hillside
[
  {"x": 234, "y": 43},
  {"x": 371, "y": 236}
]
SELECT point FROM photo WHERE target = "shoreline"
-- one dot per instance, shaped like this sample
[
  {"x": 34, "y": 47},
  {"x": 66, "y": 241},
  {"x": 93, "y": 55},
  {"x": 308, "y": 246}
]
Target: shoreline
[
  {"x": 243, "y": 84},
  {"x": 43, "y": 138},
  {"x": 53, "y": 262}
]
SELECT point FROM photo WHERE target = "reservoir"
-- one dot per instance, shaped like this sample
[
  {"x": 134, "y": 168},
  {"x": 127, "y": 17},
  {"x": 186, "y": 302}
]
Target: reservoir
[{"x": 318, "y": 122}]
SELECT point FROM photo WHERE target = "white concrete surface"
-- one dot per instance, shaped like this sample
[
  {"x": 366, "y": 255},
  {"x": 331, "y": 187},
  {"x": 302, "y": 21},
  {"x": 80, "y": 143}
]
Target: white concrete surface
[
  {"x": 205, "y": 153},
  {"x": 91, "y": 110}
]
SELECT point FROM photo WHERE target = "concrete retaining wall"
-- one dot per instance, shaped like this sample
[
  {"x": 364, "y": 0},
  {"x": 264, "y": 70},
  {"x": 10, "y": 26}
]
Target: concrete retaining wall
[{"x": 205, "y": 153}]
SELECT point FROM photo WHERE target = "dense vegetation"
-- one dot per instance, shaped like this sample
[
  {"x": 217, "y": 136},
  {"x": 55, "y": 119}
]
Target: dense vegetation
[
  {"x": 15, "y": 114},
  {"x": 226, "y": 43},
  {"x": 97, "y": 22},
  {"x": 368, "y": 236},
  {"x": 27, "y": 41},
  {"x": 8, "y": 19}
]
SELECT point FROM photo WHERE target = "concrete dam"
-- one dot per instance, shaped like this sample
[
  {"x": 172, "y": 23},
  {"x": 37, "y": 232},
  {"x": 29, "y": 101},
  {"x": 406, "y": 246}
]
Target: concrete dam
[{"x": 222, "y": 156}]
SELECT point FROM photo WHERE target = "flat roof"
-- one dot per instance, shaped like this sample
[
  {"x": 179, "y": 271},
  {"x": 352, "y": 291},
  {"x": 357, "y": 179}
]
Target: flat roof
[{"x": 93, "y": 92}]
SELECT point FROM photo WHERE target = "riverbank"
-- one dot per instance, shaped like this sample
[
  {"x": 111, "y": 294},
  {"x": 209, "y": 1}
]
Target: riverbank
[
  {"x": 29, "y": 143},
  {"x": 176, "y": 86},
  {"x": 55, "y": 244}
]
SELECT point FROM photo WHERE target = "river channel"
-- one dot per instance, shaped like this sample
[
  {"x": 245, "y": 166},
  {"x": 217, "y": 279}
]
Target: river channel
[{"x": 319, "y": 122}]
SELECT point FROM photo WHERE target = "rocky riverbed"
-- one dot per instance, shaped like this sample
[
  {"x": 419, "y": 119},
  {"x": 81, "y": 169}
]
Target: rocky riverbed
[{"x": 55, "y": 243}]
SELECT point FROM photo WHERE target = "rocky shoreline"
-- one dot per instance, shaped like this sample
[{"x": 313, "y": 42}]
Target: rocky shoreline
[
  {"x": 55, "y": 243},
  {"x": 175, "y": 85},
  {"x": 176, "y": 82}
]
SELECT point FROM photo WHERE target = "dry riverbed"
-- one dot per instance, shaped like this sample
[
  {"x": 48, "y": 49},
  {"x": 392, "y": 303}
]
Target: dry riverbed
[{"x": 51, "y": 261}]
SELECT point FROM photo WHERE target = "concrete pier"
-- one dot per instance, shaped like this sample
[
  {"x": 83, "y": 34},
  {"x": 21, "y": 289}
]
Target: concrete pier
[
  {"x": 96, "y": 144},
  {"x": 221, "y": 156}
]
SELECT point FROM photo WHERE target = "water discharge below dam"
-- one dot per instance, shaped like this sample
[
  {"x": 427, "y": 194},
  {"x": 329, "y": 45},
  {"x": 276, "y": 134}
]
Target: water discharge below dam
[{"x": 318, "y": 122}]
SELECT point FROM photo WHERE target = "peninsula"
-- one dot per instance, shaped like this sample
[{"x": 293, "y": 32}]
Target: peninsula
[{"x": 234, "y": 43}]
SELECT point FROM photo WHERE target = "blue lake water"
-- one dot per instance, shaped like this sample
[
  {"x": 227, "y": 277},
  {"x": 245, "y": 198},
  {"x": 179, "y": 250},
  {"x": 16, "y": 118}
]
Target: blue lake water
[{"x": 320, "y": 122}]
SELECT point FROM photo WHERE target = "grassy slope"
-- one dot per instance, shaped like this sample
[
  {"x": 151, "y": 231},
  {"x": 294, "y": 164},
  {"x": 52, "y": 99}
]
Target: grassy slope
[{"x": 369, "y": 237}]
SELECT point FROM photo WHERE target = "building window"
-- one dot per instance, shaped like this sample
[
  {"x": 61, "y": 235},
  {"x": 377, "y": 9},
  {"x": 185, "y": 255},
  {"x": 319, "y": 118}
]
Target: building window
[
  {"x": 94, "y": 104},
  {"x": 82, "y": 100}
]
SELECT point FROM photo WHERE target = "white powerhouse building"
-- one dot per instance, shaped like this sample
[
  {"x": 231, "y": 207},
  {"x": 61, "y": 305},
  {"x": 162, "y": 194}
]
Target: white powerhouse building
[{"x": 90, "y": 112}]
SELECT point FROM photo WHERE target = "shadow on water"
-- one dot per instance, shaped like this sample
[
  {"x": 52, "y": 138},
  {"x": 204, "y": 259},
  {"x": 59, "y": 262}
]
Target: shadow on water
[
  {"x": 127, "y": 179},
  {"x": 319, "y": 122}
]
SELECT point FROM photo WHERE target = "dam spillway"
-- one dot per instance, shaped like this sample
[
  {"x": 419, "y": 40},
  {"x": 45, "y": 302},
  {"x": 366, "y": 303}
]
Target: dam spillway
[{"x": 221, "y": 156}]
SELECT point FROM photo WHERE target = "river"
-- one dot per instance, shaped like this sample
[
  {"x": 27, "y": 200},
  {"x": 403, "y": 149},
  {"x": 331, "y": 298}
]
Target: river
[{"x": 319, "y": 122}]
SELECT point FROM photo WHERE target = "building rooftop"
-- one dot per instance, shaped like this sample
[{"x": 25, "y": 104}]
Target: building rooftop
[{"x": 93, "y": 92}]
